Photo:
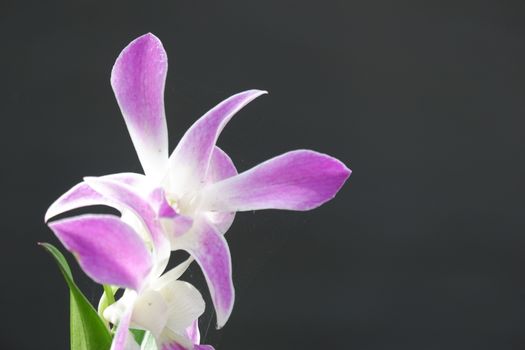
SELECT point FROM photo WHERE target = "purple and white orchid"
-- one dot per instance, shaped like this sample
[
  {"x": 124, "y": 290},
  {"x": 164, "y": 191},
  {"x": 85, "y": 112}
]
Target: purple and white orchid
[
  {"x": 112, "y": 252},
  {"x": 184, "y": 201}
]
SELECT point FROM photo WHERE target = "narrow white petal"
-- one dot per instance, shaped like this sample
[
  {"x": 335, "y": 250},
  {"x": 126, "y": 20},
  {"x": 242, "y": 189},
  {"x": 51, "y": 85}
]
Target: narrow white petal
[{"x": 172, "y": 275}]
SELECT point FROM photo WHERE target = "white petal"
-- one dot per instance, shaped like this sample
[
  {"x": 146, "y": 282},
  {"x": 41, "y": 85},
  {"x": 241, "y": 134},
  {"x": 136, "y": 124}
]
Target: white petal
[
  {"x": 117, "y": 310},
  {"x": 185, "y": 305},
  {"x": 150, "y": 312},
  {"x": 172, "y": 275}
]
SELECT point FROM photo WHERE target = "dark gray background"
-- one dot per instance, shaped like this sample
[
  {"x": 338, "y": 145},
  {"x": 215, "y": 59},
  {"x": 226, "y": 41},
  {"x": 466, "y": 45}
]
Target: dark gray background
[{"x": 424, "y": 100}]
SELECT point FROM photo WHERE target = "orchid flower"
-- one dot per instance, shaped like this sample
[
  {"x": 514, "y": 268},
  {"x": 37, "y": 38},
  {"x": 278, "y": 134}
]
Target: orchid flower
[
  {"x": 188, "y": 200},
  {"x": 112, "y": 252}
]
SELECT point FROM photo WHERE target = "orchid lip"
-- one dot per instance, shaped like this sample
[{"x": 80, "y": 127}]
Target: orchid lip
[{"x": 187, "y": 205}]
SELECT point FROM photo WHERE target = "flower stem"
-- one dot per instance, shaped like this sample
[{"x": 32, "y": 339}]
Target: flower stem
[{"x": 110, "y": 297}]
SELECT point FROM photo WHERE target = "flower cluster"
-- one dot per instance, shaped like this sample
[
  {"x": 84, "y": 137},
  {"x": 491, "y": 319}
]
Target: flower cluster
[{"x": 184, "y": 201}]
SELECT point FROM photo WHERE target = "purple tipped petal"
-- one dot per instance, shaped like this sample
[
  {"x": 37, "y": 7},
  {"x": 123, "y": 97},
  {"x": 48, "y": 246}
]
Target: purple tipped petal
[
  {"x": 297, "y": 180},
  {"x": 189, "y": 162},
  {"x": 173, "y": 341},
  {"x": 125, "y": 196},
  {"x": 195, "y": 336},
  {"x": 210, "y": 250},
  {"x": 81, "y": 195},
  {"x": 108, "y": 250},
  {"x": 123, "y": 340},
  {"x": 161, "y": 205},
  {"x": 172, "y": 222},
  {"x": 221, "y": 167},
  {"x": 138, "y": 79},
  {"x": 203, "y": 347},
  {"x": 173, "y": 345},
  {"x": 193, "y": 332}
]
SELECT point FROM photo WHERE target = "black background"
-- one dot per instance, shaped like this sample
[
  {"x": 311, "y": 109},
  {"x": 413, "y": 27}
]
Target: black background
[{"x": 423, "y": 100}]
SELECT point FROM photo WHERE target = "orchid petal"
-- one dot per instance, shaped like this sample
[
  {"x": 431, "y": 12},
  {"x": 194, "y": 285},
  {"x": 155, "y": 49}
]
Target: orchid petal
[
  {"x": 203, "y": 347},
  {"x": 172, "y": 345},
  {"x": 172, "y": 275},
  {"x": 170, "y": 340},
  {"x": 185, "y": 304},
  {"x": 125, "y": 196},
  {"x": 138, "y": 78},
  {"x": 176, "y": 226},
  {"x": 159, "y": 201},
  {"x": 195, "y": 336},
  {"x": 210, "y": 250},
  {"x": 190, "y": 160},
  {"x": 123, "y": 339},
  {"x": 172, "y": 222},
  {"x": 108, "y": 250},
  {"x": 193, "y": 332},
  {"x": 221, "y": 167},
  {"x": 150, "y": 312},
  {"x": 297, "y": 180},
  {"x": 114, "y": 312},
  {"x": 81, "y": 195}
]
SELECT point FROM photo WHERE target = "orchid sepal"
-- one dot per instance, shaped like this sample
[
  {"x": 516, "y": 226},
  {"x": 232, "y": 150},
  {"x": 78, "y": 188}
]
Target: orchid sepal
[
  {"x": 297, "y": 180},
  {"x": 138, "y": 79},
  {"x": 210, "y": 249},
  {"x": 107, "y": 249}
]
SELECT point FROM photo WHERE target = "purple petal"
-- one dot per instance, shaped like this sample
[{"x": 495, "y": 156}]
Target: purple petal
[
  {"x": 173, "y": 341},
  {"x": 177, "y": 226},
  {"x": 297, "y": 180},
  {"x": 221, "y": 167},
  {"x": 189, "y": 162},
  {"x": 210, "y": 250},
  {"x": 172, "y": 345},
  {"x": 159, "y": 201},
  {"x": 173, "y": 223},
  {"x": 195, "y": 337},
  {"x": 193, "y": 332},
  {"x": 138, "y": 79},
  {"x": 203, "y": 347},
  {"x": 108, "y": 250},
  {"x": 81, "y": 195},
  {"x": 123, "y": 340},
  {"x": 125, "y": 196}
]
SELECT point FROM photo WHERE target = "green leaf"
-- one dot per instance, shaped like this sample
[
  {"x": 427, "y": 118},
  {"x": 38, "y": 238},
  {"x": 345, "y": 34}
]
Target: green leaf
[
  {"x": 88, "y": 331},
  {"x": 138, "y": 334}
]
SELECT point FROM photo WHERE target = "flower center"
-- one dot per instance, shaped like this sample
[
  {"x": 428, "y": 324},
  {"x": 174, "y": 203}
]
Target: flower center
[{"x": 186, "y": 204}]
